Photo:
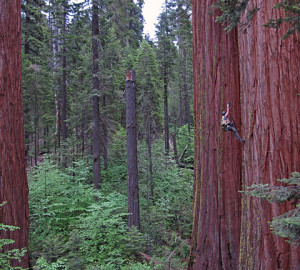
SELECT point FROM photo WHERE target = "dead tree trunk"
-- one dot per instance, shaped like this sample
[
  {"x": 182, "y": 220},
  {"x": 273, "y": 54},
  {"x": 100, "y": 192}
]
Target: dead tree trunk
[
  {"x": 132, "y": 166},
  {"x": 13, "y": 180},
  {"x": 96, "y": 89}
]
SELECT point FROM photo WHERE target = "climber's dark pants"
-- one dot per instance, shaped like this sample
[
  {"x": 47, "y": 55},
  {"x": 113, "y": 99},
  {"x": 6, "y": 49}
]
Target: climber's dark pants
[{"x": 232, "y": 128}]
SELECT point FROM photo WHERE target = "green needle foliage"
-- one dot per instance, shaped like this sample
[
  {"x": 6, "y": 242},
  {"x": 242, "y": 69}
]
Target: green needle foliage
[
  {"x": 73, "y": 222},
  {"x": 184, "y": 141},
  {"x": 232, "y": 10},
  {"x": 288, "y": 224},
  {"x": 292, "y": 11},
  {"x": 73, "y": 226}
]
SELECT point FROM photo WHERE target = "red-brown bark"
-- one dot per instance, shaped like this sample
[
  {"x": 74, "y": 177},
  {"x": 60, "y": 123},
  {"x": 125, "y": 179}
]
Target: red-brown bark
[
  {"x": 13, "y": 180},
  {"x": 269, "y": 79},
  {"x": 218, "y": 155},
  {"x": 259, "y": 74}
]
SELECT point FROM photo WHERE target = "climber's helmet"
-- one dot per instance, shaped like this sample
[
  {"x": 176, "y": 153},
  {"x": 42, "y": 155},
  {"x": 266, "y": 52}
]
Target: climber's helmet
[{"x": 223, "y": 112}]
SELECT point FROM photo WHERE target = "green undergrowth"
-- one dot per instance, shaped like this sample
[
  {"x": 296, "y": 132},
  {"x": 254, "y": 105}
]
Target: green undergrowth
[
  {"x": 286, "y": 225},
  {"x": 73, "y": 226}
]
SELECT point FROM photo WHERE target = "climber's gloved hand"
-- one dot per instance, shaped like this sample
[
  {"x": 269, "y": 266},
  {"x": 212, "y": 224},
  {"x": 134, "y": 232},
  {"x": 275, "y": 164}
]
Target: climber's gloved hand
[{"x": 228, "y": 104}]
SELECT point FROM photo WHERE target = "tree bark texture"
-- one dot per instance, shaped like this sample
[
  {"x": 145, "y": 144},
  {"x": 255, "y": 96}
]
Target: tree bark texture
[
  {"x": 132, "y": 163},
  {"x": 13, "y": 180},
  {"x": 96, "y": 90},
  {"x": 258, "y": 73},
  {"x": 218, "y": 158},
  {"x": 270, "y": 80}
]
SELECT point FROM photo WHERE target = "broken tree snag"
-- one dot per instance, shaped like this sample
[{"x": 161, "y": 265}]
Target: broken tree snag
[
  {"x": 13, "y": 179},
  {"x": 130, "y": 75},
  {"x": 132, "y": 167}
]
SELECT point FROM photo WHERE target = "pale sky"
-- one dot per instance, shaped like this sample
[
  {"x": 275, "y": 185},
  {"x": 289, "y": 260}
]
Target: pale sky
[{"x": 151, "y": 10}]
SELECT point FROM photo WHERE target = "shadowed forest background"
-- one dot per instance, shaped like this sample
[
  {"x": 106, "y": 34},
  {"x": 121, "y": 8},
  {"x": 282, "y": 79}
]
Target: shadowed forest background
[
  {"x": 78, "y": 220},
  {"x": 155, "y": 183}
]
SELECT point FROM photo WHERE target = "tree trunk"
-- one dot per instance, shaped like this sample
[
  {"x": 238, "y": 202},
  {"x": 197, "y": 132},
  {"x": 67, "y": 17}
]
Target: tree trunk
[
  {"x": 55, "y": 49},
  {"x": 132, "y": 163},
  {"x": 175, "y": 145},
  {"x": 96, "y": 90},
  {"x": 86, "y": 145},
  {"x": 149, "y": 143},
  {"x": 181, "y": 115},
  {"x": 166, "y": 114},
  {"x": 187, "y": 111},
  {"x": 13, "y": 180},
  {"x": 64, "y": 81},
  {"x": 269, "y": 78},
  {"x": 218, "y": 157},
  {"x": 36, "y": 129},
  {"x": 258, "y": 73},
  {"x": 26, "y": 34},
  {"x": 104, "y": 133},
  {"x": 47, "y": 136}
]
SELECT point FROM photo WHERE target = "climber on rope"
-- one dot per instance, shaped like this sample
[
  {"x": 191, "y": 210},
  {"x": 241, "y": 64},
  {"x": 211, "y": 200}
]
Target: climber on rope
[{"x": 228, "y": 125}]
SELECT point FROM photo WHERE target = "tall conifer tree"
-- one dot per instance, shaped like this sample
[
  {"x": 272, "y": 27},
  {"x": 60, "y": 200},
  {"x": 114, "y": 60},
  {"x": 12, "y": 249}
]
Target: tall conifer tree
[
  {"x": 132, "y": 163},
  {"x": 13, "y": 179},
  {"x": 96, "y": 90},
  {"x": 166, "y": 55},
  {"x": 149, "y": 101}
]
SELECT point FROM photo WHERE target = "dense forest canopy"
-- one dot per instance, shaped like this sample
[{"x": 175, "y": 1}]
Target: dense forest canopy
[
  {"x": 110, "y": 120},
  {"x": 75, "y": 58}
]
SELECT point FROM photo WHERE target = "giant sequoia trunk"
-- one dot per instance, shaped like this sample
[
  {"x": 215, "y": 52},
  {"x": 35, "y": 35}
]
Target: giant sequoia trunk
[
  {"x": 218, "y": 155},
  {"x": 259, "y": 74},
  {"x": 269, "y": 79},
  {"x": 13, "y": 182}
]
